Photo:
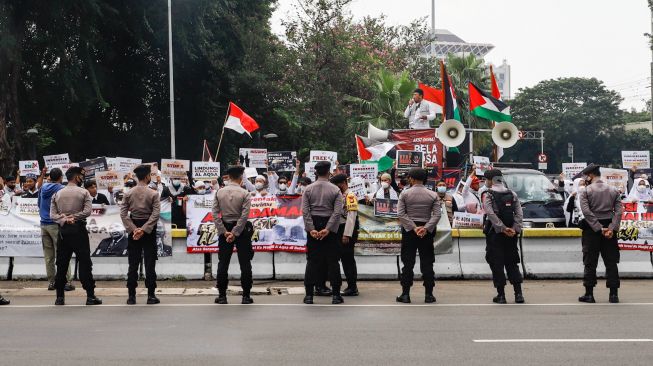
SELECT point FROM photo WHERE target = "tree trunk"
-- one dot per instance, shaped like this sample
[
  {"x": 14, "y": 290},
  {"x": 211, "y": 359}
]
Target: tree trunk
[{"x": 6, "y": 152}]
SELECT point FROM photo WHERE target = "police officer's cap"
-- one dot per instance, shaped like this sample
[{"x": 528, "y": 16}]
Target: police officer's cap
[
  {"x": 235, "y": 171},
  {"x": 74, "y": 170},
  {"x": 492, "y": 173},
  {"x": 418, "y": 174},
  {"x": 591, "y": 169},
  {"x": 322, "y": 167},
  {"x": 143, "y": 170},
  {"x": 338, "y": 179}
]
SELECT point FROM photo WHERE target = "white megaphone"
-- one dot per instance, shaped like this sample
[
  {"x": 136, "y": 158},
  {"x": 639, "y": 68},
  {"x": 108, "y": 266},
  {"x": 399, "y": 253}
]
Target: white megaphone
[
  {"x": 377, "y": 134},
  {"x": 451, "y": 133},
  {"x": 505, "y": 134}
]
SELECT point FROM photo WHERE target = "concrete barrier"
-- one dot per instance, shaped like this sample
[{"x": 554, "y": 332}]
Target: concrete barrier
[{"x": 471, "y": 244}]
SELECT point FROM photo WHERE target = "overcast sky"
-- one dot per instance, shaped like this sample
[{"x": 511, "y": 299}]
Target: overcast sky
[{"x": 540, "y": 39}]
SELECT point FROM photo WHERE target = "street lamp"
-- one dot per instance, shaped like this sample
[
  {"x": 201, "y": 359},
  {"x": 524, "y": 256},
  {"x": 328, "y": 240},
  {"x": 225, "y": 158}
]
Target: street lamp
[
  {"x": 32, "y": 134},
  {"x": 270, "y": 136}
]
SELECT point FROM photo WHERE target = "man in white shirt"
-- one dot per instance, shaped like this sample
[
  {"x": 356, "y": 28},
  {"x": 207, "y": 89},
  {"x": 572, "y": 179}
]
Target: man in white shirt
[{"x": 419, "y": 111}]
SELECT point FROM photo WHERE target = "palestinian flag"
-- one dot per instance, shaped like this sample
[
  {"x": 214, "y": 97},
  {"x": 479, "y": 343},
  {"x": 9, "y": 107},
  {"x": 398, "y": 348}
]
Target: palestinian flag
[
  {"x": 450, "y": 102},
  {"x": 432, "y": 95},
  {"x": 498, "y": 150},
  {"x": 370, "y": 151},
  {"x": 483, "y": 105}
]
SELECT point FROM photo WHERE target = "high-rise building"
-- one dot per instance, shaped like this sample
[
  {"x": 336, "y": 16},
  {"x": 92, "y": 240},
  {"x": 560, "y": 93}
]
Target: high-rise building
[{"x": 502, "y": 74}]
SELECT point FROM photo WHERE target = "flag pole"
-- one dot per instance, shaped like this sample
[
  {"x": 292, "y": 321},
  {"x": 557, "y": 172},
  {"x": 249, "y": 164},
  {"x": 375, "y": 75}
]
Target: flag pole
[{"x": 222, "y": 134}]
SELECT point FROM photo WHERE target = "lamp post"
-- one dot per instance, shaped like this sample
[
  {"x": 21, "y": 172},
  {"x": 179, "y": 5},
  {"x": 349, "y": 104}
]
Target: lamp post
[
  {"x": 32, "y": 134},
  {"x": 269, "y": 136}
]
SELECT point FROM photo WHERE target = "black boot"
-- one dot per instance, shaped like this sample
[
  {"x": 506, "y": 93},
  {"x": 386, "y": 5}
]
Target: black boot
[
  {"x": 428, "y": 297},
  {"x": 308, "y": 299},
  {"x": 405, "y": 295},
  {"x": 501, "y": 296},
  {"x": 519, "y": 297},
  {"x": 222, "y": 297},
  {"x": 589, "y": 295},
  {"x": 337, "y": 298},
  {"x": 247, "y": 299},
  {"x": 60, "y": 301},
  {"x": 351, "y": 290},
  {"x": 151, "y": 296},
  {"x": 91, "y": 299},
  {"x": 4, "y": 301},
  {"x": 614, "y": 295},
  {"x": 131, "y": 299},
  {"x": 322, "y": 290}
]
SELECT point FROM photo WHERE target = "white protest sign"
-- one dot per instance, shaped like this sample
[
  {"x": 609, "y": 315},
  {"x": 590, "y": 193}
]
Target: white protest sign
[
  {"x": 467, "y": 220},
  {"x": 367, "y": 172},
  {"x": 617, "y": 178},
  {"x": 51, "y": 160},
  {"x": 174, "y": 168},
  {"x": 571, "y": 169},
  {"x": 126, "y": 165},
  {"x": 482, "y": 164},
  {"x": 64, "y": 168},
  {"x": 309, "y": 168},
  {"x": 357, "y": 187},
  {"x": 253, "y": 158},
  {"x": 640, "y": 159},
  {"x": 29, "y": 167},
  {"x": 206, "y": 170},
  {"x": 250, "y": 173},
  {"x": 107, "y": 179}
]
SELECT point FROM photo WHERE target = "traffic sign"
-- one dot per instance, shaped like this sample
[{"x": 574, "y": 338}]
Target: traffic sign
[{"x": 542, "y": 158}]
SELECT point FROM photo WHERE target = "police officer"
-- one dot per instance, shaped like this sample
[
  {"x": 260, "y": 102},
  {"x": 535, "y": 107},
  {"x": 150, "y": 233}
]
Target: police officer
[
  {"x": 601, "y": 206},
  {"x": 348, "y": 234},
  {"x": 322, "y": 208},
  {"x": 504, "y": 220},
  {"x": 139, "y": 213},
  {"x": 230, "y": 213},
  {"x": 419, "y": 212},
  {"x": 70, "y": 208}
]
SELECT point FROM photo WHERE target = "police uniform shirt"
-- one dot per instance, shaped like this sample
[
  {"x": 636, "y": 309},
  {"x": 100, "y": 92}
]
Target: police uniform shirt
[
  {"x": 599, "y": 201},
  {"x": 349, "y": 214},
  {"x": 491, "y": 208},
  {"x": 233, "y": 202},
  {"x": 419, "y": 204},
  {"x": 142, "y": 203},
  {"x": 322, "y": 199},
  {"x": 71, "y": 201}
]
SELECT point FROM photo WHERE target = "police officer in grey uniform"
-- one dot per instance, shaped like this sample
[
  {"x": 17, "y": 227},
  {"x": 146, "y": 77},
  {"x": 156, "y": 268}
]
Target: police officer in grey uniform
[
  {"x": 419, "y": 212},
  {"x": 504, "y": 220},
  {"x": 230, "y": 214},
  {"x": 322, "y": 207},
  {"x": 601, "y": 206}
]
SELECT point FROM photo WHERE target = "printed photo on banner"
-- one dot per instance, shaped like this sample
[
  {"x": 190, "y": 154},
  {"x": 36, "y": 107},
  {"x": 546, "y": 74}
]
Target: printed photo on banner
[
  {"x": 451, "y": 177},
  {"x": 385, "y": 207},
  {"x": 636, "y": 230},
  {"x": 282, "y": 161},
  {"x": 174, "y": 168},
  {"x": 367, "y": 172},
  {"x": 58, "y": 159},
  {"x": 28, "y": 167},
  {"x": 466, "y": 220},
  {"x": 93, "y": 165},
  {"x": 571, "y": 170},
  {"x": 107, "y": 179},
  {"x": 206, "y": 170},
  {"x": 482, "y": 164},
  {"x": 253, "y": 158},
  {"x": 409, "y": 159},
  {"x": 639, "y": 159},
  {"x": 357, "y": 187}
]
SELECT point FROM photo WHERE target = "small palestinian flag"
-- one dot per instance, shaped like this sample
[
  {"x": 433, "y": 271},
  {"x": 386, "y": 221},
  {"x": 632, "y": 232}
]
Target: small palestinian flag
[
  {"x": 450, "y": 102},
  {"x": 370, "y": 151},
  {"x": 483, "y": 105}
]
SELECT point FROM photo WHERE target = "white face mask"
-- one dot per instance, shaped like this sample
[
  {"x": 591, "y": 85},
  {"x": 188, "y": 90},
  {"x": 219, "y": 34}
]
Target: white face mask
[
  {"x": 176, "y": 182},
  {"x": 201, "y": 191},
  {"x": 581, "y": 188},
  {"x": 283, "y": 186},
  {"x": 641, "y": 188},
  {"x": 385, "y": 185},
  {"x": 259, "y": 186}
]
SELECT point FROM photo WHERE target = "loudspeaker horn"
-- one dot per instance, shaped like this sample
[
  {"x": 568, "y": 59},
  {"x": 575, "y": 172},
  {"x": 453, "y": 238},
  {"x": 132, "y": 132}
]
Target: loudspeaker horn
[
  {"x": 451, "y": 133},
  {"x": 377, "y": 134},
  {"x": 505, "y": 134}
]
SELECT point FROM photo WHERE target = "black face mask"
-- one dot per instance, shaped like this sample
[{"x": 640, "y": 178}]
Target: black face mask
[{"x": 80, "y": 182}]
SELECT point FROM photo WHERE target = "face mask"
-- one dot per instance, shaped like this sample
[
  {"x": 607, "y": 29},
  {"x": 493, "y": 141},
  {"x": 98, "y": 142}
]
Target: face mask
[
  {"x": 442, "y": 189},
  {"x": 283, "y": 186},
  {"x": 259, "y": 186},
  {"x": 80, "y": 182},
  {"x": 176, "y": 182},
  {"x": 385, "y": 185},
  {"x": 201, "y": 191},
  {"x": 581, "y": 188},
  {"x": 641, "y": 189}
]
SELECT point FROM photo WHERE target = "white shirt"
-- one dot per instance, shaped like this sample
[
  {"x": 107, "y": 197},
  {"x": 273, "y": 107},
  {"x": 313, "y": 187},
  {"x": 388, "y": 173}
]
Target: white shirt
[{"x": 417, "y": 110}]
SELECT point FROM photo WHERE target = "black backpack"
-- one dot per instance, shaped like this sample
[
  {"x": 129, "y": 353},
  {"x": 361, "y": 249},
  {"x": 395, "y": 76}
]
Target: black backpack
[{"x": 504, "y": 202}]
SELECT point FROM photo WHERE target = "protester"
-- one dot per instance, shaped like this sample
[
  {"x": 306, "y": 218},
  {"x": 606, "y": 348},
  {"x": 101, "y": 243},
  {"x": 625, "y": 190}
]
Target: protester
[
  {"x": 419, "y": 112},
  {"x": 178, "y": 193},
  {"x": 449, "y": 201},
  {"x": 98, "y": 198},
  {"x": 30, "y": 187},
  {"x": 641, "y": 192},
  {"x": 304, "y": 182},
  {"x": 10, "y": 186},
  {"x": 573, "y": 213},
  {"x": 386, "y": 191},
  {"x": 471, "y": 193}
]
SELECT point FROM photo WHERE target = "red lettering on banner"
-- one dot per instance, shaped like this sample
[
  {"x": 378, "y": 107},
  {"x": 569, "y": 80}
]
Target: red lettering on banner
[
  {"x": 630, "y": 216},
  {"x": 630, "y": 206}
]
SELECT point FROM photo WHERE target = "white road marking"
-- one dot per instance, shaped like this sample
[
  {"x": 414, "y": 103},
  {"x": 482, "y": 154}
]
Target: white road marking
[{"x": 580, "y": 340}]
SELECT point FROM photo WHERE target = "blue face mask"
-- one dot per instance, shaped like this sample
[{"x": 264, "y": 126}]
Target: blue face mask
[{"x": 442, "y": 189}]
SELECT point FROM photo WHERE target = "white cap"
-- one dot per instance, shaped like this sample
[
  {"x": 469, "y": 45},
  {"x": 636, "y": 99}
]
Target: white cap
[{"x": 199, "y": 183}]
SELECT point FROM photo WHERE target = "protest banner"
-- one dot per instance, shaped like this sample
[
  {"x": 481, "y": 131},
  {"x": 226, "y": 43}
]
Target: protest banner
[
  {"x": 63, "y": 168},
  {"x": 407, "y": 159},
  {"x": 92, "y": 166},
  {"x": 282, "y": 161},
  {"x": 309, "y": 168},
  {"x": 253, "y": 158},
  {"x": 174, "y": 168},
  {"x": 570, "y": 170},
  {"x": 357, "y": 187},
  {"x": 20, "y": 229},
  {"x": 377, "y": 235},
  {"x": 451, "y": 177},
  {"x": 640, "y": 159},
  {"x": 482, "y": 164},
  {"x": 321, "y": 155},
  {"x": 385, "y": 207},
  {"x": 206, "y": 170},
  {"x": 107, "y": 179},
  {"x": 51, "y": 160},
  {"x": 420, "y": 140},
  {"x": 126, "y": 165},
  {"x": 636, "y": 229},
  {"x": 29, "y": 167},
  {"x": 368, "y": 172},
  {"x": 466, "y": 220},
  {"x": 617, "y": 178}
]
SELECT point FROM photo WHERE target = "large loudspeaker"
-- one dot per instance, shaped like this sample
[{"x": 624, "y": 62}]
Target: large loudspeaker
[
  {"x": 377, "y": 134},
  {"x": 451, "y": 133},
  {"x": 505, "y": 134}
]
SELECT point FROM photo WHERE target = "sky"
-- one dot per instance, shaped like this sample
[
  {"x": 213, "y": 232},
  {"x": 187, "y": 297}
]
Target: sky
[{"x": 540, "y": 39}]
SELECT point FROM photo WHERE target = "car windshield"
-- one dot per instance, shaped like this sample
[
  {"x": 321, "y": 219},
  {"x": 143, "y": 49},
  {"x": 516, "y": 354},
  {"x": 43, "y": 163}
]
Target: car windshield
[{"x": 532, "y": 187}]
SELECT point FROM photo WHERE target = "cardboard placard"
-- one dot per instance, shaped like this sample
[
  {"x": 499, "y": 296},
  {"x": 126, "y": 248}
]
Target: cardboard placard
[
  {"x": 407, "y": 159},
  {"x": 107, "y": 179},
  {"x": 570, "y": 170},
  {"x": 321, "y": 155},
  {"x": 206, "y": 170},
  {"x": 385, "y": 207},
  {"x": 368, "y": 172},
  {"x": 253, "y": 158},
  {"x": 482, "y": 164},
  {"x": 282, "y": 161},
  {"x": 640, "y": 159},
  {"x": 174, "y": 168},
  {"x": 29, "y": 167},
  {"x": 357, "y": 187},
  {"x": 92, "y": 166},
  {"x": 51, "y": 160}
]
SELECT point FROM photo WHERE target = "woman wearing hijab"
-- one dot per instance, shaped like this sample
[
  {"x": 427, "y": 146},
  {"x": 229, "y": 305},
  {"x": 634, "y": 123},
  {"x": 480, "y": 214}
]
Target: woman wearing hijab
[
  {"x": 641, "y": 192},
  {"x": 573, "y": 214}
]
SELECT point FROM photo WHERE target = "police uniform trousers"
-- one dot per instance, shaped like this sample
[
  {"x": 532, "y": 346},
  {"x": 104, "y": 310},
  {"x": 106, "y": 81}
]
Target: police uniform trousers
[
  {"x": 320, "y": 253},
  {"x": 243, "y": 244},
  {"x": 73, "y": 239},
  {"x": 501, "y": 253},
  {"x": 145, "y": 247},
  {"x": 347, "y": 255},
  {"x": 594, "y": 244},
  {"x": 411, "y": 243}
]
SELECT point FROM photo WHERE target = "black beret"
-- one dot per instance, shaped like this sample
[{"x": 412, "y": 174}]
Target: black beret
[
  {"x": 418, "y": 173},
  {"x": 323, "y": 165},
  {"x": 236, "y": 170},
  {"x": 143, "y": 169},
  {"x": 338, "y": 178},
  {"x": 492, "y": 173},
  {"x": 74, "y": 170},
  {"x": 591, "y": 169}
]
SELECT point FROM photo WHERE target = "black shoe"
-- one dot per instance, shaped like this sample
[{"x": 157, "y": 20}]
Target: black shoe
[
  {"x": 337, "y": 299},
  {"x": 323, "y": 291},
  {"x": 499, "y": 299},
  {"x": 308, "y": 299},
  {"x": 350, "y": 291},
  {"x": 151, "y": 300},
  {"x": 93, "y": 301},
  {"x": 587, "y": 298},
  {"x": 222, "y": 300},
  {"x": 519, "y": 298},
  {"x": 614, "y": 299},
  {"x": 4, "y": 301},
  {"x": 247, "y": 300},
  {"x": 131, "y": 300},
  {"x": 405, "y": 298},
  {"x": 69, "y": 287},
  {"x": 429, "y": 299},
  {"x": 51, "y": 286},
  {"x": 60, "y": 301}
]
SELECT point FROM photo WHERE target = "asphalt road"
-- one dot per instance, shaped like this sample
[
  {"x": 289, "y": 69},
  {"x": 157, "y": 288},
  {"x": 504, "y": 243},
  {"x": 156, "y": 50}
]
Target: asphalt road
[{"x": 551, "y": 329}]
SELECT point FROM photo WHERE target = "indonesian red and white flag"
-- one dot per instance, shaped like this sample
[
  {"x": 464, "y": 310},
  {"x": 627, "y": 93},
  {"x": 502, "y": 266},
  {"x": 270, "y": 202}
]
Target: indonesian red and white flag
[{"x": 240, "y": 121}]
